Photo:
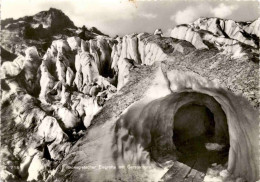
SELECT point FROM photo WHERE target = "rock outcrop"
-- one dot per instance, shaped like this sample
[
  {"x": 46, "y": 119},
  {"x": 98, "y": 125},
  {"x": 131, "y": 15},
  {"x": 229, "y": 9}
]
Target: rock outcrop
[
  {"x": 53, "y": 19},
  {"x": 40, "y": 30},
  {"x": 158, "y": 32}
]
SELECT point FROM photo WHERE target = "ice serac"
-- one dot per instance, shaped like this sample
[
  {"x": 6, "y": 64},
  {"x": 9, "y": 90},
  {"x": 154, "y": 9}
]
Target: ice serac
[
  {"x": 134, "y": 49},
  {"x": 184, "y": 32},
  {"x": 101, "y": 51},
  {"x": 124, "y": 66},
  {"x": 229, "y": 29},
  {"x": 10, "y": 69},
  {"x": 27, "y": 129},
  {"x": 226, "y": 35},
  {"x": 253, "y": 27},
  {"x": 43, "y": 102}
]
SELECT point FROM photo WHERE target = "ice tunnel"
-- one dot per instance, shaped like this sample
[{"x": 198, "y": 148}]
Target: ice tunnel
[{"x": 195, "y": 120}]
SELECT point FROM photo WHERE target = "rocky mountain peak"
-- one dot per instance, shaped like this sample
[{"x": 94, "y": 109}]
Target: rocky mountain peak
[
  {"x": 40, "y": 30},
  {"x": 53, "y": 18}
]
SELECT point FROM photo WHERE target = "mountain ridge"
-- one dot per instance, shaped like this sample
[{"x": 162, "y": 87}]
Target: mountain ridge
[{"x": 41, "y": 29}]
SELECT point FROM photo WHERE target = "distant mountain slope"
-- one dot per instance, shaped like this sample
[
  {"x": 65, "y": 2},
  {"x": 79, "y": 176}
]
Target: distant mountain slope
[
  {"x": 53, "y": 19},
  {"x": 40, "y": 30}
]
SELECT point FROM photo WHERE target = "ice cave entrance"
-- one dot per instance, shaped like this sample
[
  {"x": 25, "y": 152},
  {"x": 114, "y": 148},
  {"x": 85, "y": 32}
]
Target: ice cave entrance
[{"x": 193, "y": 127}]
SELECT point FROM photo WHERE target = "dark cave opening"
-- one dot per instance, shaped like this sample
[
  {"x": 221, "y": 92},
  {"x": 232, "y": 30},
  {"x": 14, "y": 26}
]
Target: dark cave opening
[{"x": 193, "y": 127}]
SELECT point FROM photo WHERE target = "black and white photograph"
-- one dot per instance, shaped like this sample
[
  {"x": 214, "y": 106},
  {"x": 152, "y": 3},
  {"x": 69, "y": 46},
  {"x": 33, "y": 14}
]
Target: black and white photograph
[{"x": 130, "y": 91}]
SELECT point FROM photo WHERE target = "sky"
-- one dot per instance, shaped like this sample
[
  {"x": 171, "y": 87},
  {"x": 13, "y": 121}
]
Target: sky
[{"x": 120, "y": 17}]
